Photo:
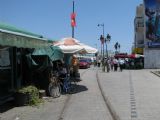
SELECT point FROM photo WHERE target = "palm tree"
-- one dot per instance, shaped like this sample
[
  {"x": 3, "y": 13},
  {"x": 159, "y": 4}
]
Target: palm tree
[
  {"x": 119, "y": 46},
  {"x": 116, "y": 46}
]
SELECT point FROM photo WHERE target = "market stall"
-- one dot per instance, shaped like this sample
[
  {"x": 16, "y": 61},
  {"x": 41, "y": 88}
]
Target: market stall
[
  {"x": 16, "y": 46},
  {"x": 71, "y": 46}
]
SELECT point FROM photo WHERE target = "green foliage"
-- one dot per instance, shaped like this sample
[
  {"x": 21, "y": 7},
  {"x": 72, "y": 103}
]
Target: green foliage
[
  {"x": 33, "y": 94},
  {"x": 28, "y": 89}
]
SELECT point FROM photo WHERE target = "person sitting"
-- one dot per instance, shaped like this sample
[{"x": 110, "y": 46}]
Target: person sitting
[{"x": 62, "y": 71}]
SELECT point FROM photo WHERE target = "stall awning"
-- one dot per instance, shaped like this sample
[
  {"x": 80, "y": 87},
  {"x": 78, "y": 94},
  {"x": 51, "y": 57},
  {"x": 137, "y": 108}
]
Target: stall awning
[
  {"x": 12, "y": 36},
  {"x": 53, "y": 52}
]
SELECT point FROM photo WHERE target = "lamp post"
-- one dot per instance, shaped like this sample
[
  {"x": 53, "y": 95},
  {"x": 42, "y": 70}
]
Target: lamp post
[
  {"x": 102, "y": 39},
  {"x": 107, "y": 39},
  {"x": 100, "y": 46},
  {"x": 73, "y": 20}
]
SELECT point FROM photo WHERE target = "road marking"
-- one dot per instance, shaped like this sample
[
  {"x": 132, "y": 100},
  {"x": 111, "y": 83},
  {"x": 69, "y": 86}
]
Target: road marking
[{"x": 134, "y": 114}]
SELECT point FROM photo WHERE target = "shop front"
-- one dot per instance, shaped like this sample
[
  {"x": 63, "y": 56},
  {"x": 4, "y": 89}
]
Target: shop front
[{"x": 16, "y": 47}]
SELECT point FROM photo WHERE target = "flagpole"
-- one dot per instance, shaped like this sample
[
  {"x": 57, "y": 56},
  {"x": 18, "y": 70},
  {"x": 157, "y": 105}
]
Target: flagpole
[{"x": 73, "y": 26}]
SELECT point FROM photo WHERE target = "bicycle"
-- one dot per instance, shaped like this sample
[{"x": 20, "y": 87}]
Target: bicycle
[
  {"x": 66, "y": 83},
  {"x": 54, "y": 87}
]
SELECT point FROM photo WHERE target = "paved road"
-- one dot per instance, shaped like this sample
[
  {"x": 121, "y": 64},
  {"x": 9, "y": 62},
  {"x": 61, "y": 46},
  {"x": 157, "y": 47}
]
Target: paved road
[
  {"x": 132, "y": 94},
  {"x": 88, "y": 103}
]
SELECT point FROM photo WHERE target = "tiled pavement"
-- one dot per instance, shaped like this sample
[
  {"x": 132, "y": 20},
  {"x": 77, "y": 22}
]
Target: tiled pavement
[
  {"x": 133, "y": 94},
  {"x": 88, "y": 103}
]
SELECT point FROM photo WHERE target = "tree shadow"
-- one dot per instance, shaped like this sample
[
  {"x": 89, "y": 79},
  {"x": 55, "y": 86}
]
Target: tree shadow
[{"x": 78, "y": 88}]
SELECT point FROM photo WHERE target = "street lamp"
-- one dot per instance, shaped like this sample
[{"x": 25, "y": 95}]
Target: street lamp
[
  {"x": 100, "y": 46},
  {"x": 102, "y": 39},
  {"x": 107, "y": 39}
]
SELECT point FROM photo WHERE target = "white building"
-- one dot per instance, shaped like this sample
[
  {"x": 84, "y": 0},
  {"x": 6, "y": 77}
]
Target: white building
[
  {"x": 139, "y": 27},
  {"x": 141, "y": 42}
]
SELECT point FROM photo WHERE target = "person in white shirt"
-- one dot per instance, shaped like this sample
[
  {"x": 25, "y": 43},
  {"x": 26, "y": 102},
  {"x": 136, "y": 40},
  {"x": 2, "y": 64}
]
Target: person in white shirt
[{"x": 121, "y": 64}]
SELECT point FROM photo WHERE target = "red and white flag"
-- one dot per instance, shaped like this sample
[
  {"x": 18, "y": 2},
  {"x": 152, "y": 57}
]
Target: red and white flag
[{"x": 73, "y": 19}]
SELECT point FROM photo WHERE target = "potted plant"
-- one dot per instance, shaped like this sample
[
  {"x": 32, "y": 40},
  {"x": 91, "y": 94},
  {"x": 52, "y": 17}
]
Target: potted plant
[{"x": 28, "y": 95}]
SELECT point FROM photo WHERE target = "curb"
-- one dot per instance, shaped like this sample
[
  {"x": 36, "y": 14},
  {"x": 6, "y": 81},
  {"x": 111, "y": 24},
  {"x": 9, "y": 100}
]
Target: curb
[{"x": 107, "y": 101}]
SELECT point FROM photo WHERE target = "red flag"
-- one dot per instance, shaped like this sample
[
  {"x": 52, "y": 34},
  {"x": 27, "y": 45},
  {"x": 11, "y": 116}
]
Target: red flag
[{"x": 73, "y": 19}]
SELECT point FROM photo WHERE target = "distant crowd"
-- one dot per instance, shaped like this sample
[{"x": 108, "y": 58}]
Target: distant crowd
[{"x": 115, "y": 64}]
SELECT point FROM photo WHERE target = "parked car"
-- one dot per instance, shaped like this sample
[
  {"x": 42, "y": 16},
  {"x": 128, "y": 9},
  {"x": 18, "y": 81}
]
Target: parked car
[
  {"x": 83, "y": 63},
  {"x": 89, "y": 61}
]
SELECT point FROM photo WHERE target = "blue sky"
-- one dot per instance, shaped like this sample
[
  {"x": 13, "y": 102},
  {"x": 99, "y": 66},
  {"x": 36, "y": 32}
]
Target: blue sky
[{"x": 51, "y": 18}]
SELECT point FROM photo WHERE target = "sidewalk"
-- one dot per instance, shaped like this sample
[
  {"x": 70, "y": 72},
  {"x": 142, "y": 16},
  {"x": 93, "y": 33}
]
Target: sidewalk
[
  {"x": 50, "y": 110},
  {"x": 85, "y": 104},
  {"x": 88, "y": 104},
  {"x": 133, "y": 94}
]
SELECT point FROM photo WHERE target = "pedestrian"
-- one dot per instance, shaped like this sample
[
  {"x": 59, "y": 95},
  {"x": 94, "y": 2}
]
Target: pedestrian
[
  {"x": 106, "y": 64},
  {"x": 107, "y": 61},
  {"x": 115, "y": 62},
  {"x": 95, "y": 62},
  {"x": 111, "y": 64},
  {"x": 99, "y": 63},
  {"x": 121, "y": 64},
  {"x": 75, "y": 66}
]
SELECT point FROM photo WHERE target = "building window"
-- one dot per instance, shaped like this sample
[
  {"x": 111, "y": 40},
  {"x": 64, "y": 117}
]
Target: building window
[{"x": 140, "y": 24}]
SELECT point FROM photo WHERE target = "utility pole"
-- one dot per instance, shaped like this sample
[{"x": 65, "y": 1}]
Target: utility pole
[{"x": 73, "y": 25}]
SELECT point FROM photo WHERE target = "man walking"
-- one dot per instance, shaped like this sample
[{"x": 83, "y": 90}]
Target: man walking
[
  {"x": 115, "y": 62},
  {"x": 121, "y": 64}
]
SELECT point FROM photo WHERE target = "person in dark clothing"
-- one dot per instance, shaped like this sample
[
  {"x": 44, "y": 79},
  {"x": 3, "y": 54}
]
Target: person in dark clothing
[{"x": 115, "y": 62}]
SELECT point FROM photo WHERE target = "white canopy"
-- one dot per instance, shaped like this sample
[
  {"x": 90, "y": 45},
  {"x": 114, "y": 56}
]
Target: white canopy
[
  {"x": 71, "y": 45},
  {"x": 71, "y": 49},
  {"x": 89, "y": 49}
]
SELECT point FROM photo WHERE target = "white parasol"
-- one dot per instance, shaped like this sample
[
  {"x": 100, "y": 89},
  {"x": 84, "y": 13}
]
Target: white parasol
[
  {"x": 89, "y": 49},
  {"x": 69, "y": 45}
]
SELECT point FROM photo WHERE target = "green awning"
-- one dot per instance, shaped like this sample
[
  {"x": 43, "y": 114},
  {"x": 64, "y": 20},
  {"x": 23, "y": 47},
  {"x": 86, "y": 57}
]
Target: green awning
[
  {"x": 53, "y": 52},
  {"x": 11, "y": 28},
  {"x": 12, "y": 36}
]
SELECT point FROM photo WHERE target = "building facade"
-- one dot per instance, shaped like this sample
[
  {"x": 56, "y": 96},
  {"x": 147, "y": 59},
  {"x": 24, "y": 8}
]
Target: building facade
[
  {"x": 147, "y": 33},
  {"x": 152, "y": 34},
  {"x": 139, "y": 30}
]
